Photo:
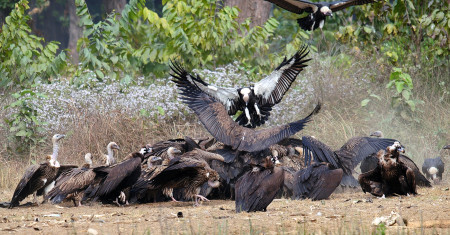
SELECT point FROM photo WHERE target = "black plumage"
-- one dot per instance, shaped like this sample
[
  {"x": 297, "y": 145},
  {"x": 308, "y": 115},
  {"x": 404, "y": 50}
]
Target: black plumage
[
  {"x": 347, "y": 157},
  {"x": 214, "y": 117},
  {"x": 391, "y": 176},
  {"x": 318, "y": 11},
  {"x": 433, "y": 168},
  {"x": 118, "y": 177},
  {"x": 257, "y": 188},
  {"x": 255, "y": 101},
  {"x": 318, "y": 181}
]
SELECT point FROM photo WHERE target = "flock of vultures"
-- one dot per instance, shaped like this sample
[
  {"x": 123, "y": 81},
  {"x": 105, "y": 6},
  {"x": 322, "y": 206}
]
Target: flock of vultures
[{"x": 241, "y": 161}]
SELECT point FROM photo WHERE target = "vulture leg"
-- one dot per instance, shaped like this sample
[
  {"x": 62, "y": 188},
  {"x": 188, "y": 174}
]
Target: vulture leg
[
  {"x": 258, "y": 112},
  {"x": 247, "y": 114},
  {"x": 35, "y": 199},
  {"x": 173, "y": 199},
  {"x": 202, "y": 198}
]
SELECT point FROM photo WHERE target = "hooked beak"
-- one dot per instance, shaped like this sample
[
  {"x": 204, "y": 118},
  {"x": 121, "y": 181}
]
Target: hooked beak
[
  {"x": 154, "y": 159},
  {"x": 329, "y": 14},
  {"x": 176, "y": 151},
  {"x": 401, "y": 150}
]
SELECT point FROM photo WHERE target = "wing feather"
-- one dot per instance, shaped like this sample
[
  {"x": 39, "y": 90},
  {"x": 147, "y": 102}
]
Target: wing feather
[
  {"x": 339, "y": 5},
  {"x": 272, "y": 88},
  {"x": 295, "y": 6}
]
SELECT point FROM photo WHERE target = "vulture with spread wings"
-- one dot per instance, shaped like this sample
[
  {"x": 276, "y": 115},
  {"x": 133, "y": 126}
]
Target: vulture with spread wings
[
  {"x": 347, "y": 157},
  {"x": 318, "y": 11},
  {"x": 214, "y": 117},
  {"x": 255, "y": 101}
]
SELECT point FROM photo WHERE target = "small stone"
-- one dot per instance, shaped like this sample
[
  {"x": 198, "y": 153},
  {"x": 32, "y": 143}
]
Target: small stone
[
  {"x": 92, "y": 231},
  {"x": 180, "y": 214}
]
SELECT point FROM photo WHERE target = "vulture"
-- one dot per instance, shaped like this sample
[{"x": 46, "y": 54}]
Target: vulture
[
  {"x": 317, "y": 11},
  {"x": 318, "y": 181},
  {"x": 143, "y": 187},
  {"x": 109, "y": 158},
  {"x": 347, "y": 157},
  {"x": 184, "y": 145},
  {"x": 40, "y": 179},
  {"x": 188, "y": 173},
  {"x": 71, "y": 184},
  {"x": 117, "y": 178},
  {"x": 255, "y": 101},
  {"x": 371, "y": 163},
  {"x": 446, "y": 146},
  {"x": 390, "y": 176},
  {"x": 257, "y": 188},
  {"x": 214, "y": 116},
  {"x": 433, "y": 168}
]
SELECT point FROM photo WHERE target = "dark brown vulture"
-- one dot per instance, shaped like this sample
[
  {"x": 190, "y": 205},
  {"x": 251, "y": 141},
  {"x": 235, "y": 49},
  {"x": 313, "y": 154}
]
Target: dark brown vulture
[
  {"x": 71, "y": 184},
  {"x": 433, "y": 168},
  {"x": 187, "y": 173},
  {"x": 255, "y": 101},
  {"x": 184, "y": 145},
  {"x": 118, "y": 177},
  {"x": 215, "y": 118},
  {"x": 318, "y": 11},
  {"x": 318, "y": 181},
  {"x": 390, "y": 176},
  {"x": 371, "y": 163},
  {"x": 40, "y": 179},
  {"x": 257, "y": 188},
  {"x": 347, "y": 157},
  {"x": 143, "y": 189}
]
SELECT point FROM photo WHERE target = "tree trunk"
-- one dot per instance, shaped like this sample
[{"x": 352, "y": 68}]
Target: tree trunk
[
  {"x": 257, "y": 10},
  {"x": 111, "y": 5},
  {"x": 75, "y": 31}
]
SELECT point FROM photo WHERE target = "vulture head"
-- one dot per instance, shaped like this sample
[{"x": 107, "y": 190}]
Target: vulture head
[
  {"x": 378, "y": 134},
  {"x": 213, "y": 178},
  {"x": 325, "y": 10},
  {"x": 57, "y": 137},
  {"x": 245, "y": 93},
  {"x": 113, "y": 145},
  {"x": 88, "y": 158},
  {"x": 446, "y": 146},
  {"x": 173, "y": 152},
  {"x": 153, "y": 161},
  {"x": 393, "y": 151}
]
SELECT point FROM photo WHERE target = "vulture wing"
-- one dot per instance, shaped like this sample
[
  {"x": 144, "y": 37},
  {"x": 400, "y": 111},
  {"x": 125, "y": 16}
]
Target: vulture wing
[
  {"x": 178, "y": 173},
  {"x": 115, "y": 175},
  {"x": 70, "y": 182},
  {"x": 421, "y": 180},
  {"x": 229, "y": 97},
  {"x": 320, "y": 151},
  {"x": 215, "y": 119},
  {"x": 358, "y": 148},
  {"x": 339, "y": 5},
  {"x": 318, "y": 181},
  {"x": 295, "y": 6},
  {"x": 28, "y": 184},
  {"x": 371, "y": 181},
  {"x": 272, "y": 88}
]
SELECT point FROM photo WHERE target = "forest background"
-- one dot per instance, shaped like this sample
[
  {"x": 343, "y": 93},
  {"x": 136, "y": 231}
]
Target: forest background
[{"x": 97, "y": 71}]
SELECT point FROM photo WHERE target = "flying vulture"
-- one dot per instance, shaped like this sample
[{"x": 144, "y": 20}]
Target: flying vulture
[
  {"x": 347, "y": 157},
  {"x": 255, "y": 101},
  {"x": 318, "y": 181},
  {"x": 433, "y": 168},
  {"x": 257, "y": 188},
  {"x": 214, "y": 117},
  {"x": 390, "y": 176},
  {"x": 118, "y": 177},
  {"x": 318, "y": 11},
  {"x": 40, "y": 179}
]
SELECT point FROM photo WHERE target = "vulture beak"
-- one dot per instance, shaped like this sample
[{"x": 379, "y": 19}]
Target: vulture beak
[
  {"x": 154, "y": 159},
  {"x": 401, "y": 150},
  {"x": 213, "y": 183},
  {"x": 176, "y": 151},
  {"x": 329, "y": 14}
]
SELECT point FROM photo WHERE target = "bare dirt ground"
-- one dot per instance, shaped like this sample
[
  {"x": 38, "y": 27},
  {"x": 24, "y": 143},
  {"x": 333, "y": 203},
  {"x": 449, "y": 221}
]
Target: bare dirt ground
[{"x": 343, "y": 213}]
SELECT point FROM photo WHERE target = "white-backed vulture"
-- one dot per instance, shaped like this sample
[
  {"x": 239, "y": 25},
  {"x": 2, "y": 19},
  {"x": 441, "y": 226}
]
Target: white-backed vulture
[
  {"x": 318, "y": 11},
  {"x": 433, "y": 168},
  {"x": 255, "y": 101}
]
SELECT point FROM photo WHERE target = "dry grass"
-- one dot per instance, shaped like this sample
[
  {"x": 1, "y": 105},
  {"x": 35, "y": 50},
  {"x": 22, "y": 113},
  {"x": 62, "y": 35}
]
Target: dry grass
[{"x": 340, "y": 82}]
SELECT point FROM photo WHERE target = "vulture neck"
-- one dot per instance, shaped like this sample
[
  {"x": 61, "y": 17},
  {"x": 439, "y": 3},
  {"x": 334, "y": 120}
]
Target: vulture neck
[
  {"x": 110, "y": 156},
  {"x": 54, "y": 159}
]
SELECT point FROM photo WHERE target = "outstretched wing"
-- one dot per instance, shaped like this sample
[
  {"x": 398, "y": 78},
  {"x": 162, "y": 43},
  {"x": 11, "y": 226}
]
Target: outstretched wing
[
  {"x": 295, "y": 6},
  {"x": 229, "y": 97},
  {"x": 339, "y": 5},
  {"x": 320, "y": 151},
  {"x": 421, "y": 180},
  {"x": 317, "y": 181},
  {"x": 27, "y": 185},
  {"x": 272, "y": 88}
]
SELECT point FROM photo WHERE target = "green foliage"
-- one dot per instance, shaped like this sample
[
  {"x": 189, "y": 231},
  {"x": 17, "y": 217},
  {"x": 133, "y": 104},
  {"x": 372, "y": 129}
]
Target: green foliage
[
  {"x": 381, "y": 229},
  {"x": 24, "y": 125},
  {"x": 402, "y": 84},
  {"x": 23, "y": 56}
]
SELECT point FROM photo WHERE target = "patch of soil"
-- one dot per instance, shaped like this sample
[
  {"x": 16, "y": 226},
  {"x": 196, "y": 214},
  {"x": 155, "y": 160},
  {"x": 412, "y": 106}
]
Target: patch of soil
[{"x": 342, "y": 213}]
